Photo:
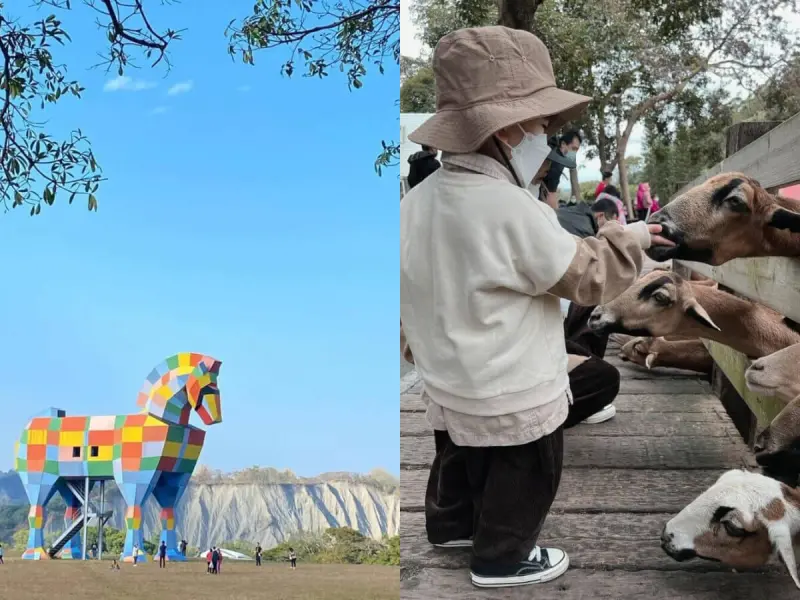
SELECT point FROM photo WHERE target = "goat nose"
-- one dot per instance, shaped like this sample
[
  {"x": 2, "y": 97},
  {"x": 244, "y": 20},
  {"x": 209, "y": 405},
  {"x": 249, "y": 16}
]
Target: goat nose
[
  {"x": 757, "y": 366},
  {"x": 758, "y": 446},
  {"x": 666, "y": 537}
]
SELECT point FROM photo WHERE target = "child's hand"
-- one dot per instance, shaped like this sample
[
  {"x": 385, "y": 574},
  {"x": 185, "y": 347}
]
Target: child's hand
[{"x": 657, "y": 240}]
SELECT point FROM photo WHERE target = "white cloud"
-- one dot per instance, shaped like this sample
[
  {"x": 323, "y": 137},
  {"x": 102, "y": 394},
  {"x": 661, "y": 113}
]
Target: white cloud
[
  {"x": 159, "y": 110},
  {"x": 125, "y": 83},
  {"x": 180, "y": 88},
  {"x": 244, "y": 88}
]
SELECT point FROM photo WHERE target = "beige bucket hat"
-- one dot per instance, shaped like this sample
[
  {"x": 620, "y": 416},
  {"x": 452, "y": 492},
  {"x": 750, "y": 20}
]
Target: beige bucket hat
[{"x": 488, "y": 78}]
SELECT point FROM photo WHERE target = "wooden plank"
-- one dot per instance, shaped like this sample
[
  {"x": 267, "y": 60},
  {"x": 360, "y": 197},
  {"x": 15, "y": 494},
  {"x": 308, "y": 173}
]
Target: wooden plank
[
  {"x": 654, "y": 425},
  {"x": 599, "y": 490},
  {"x": 633, "y": 452},
  {"x": 771, "y": 159},
  {"x": 734, "y": 364},
  {"x": 771, "y": 281},
  {"x": 585, "y": 584},
  {"x": 602, "y": 541},
  {"x": 648, "y": 403}
]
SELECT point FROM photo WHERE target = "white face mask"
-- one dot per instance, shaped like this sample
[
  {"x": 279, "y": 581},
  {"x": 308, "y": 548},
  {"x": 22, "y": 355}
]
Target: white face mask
[{"x": 528, "y": 155}]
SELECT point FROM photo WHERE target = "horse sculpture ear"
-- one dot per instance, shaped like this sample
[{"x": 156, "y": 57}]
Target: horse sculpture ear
[{"x": 785, "y": 219}]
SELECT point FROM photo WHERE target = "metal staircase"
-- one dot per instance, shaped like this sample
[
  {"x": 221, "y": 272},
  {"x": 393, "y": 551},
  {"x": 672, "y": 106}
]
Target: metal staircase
[
  {"x": 75, "y": 528},
  {"x": 93, "y": 518}
]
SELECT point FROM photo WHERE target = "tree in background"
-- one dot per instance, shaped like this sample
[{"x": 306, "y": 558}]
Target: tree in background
[
  {"x": 348, "y": 36},
  {"x": 36, "y": 166},
  {"x": 637, "y": 58}
]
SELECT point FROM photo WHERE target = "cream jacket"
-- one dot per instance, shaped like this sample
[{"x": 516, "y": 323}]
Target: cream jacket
[{"x": 482, "y": 265}]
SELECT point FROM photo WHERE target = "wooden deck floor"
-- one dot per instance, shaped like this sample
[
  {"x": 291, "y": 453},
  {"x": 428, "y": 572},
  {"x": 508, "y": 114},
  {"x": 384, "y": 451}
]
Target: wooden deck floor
[{"x": 622, "y": 481}]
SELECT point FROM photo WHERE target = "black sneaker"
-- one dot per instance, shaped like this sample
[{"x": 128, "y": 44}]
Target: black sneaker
[{"x": 543, "y": 564}]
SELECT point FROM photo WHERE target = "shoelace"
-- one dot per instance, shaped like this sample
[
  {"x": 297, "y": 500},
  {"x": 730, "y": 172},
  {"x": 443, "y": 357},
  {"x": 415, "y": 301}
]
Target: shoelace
[{"x": 536, "y": 554}]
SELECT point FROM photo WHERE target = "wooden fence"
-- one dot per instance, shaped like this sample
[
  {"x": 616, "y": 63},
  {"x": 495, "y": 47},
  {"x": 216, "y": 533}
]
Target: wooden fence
[{"x": 769, "y": 154}]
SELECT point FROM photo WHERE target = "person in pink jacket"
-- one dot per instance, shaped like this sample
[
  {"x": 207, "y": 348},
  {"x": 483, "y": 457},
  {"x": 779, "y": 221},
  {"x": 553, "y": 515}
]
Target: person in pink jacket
[{"x": 643, "y": 201}]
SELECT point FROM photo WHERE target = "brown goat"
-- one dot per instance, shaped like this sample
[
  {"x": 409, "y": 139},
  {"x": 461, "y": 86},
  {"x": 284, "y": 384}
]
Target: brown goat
[
  {"x": 777, "y": 447},
  {"x": 729, "y": 216},
  {"x": 664, "y": 304},
  {"x": 776, "y": 374},
  {"x": 677, "y": 354}
]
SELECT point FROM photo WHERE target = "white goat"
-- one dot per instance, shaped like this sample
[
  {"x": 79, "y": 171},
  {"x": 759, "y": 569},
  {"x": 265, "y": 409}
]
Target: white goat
[{"x": 741, "y": 521}]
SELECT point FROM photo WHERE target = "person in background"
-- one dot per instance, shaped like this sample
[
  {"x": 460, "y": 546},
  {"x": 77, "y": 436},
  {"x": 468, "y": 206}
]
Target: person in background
[
  {"x": 94, "y": 550},
  {"x": 421, "y": 164},
  {"x": 476, "y": 247},
  {"x": 1, "y": 555},
  {"x": 219, "y": 560},
  {"x": 602, "y": 185},
  {"x": 214, "y": 559},
  {"x": 162, "y": 555},
  {"x": 564, "y": 154},
  {"x": 605, "y": 210},
  {"x": 209, "y": 557},
  {"x": 258, "y": 554},
  {"x": 135, "y": 554},
  {"x": 612, "y": 193},
  {"x": 643, "y": 201},
  {"x": 292, "y": 558},
  {"x": 656, "y": 205}
]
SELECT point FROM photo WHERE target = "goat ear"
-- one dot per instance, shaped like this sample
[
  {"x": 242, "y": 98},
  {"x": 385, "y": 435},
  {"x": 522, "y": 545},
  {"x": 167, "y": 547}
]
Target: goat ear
[
  {"x": 785, "y": 219},
  {"x": 699, "y": 314},
  {"x": 781, "y": 538},
  {"x": 651, "y": 358}
]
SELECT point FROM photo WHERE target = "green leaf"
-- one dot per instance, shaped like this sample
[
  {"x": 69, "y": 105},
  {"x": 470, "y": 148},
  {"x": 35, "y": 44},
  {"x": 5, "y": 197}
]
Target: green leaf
[{"x": 92, "y": 203}]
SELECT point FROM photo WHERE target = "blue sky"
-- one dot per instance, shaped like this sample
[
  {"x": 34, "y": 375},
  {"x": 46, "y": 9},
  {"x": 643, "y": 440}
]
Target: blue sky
[{"x": 241, "y": 218}]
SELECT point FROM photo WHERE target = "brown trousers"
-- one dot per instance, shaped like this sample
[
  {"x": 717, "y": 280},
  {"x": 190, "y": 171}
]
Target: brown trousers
[{"x": 500, "y": 496}]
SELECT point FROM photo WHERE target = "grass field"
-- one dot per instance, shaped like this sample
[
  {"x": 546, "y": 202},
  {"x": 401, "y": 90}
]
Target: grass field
[{"x": 92, "y": 579}]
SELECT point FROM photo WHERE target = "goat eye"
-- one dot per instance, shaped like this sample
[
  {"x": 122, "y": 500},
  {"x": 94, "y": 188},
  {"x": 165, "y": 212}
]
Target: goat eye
[
  {"x": 737, "y": 203},
  {"x": 662, "y": 298},
  {"x": 733, "y": 530}
]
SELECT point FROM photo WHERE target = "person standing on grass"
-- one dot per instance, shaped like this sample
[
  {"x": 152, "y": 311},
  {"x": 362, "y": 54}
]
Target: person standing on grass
[
  {"x": 258, "y": 554},
  {"x": 135, "y": 554},
  {"x": 162, "y": 555},
  {"x": 482, "y": 266},
  {"x": 292, "y": 558}
]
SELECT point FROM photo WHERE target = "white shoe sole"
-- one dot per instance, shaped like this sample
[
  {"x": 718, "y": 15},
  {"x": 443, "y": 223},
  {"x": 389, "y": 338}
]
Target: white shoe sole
[
  {"x": 608, "y": 413},
  {"x": 500, "y": 582},
  {"x": 455, "y": 544}
]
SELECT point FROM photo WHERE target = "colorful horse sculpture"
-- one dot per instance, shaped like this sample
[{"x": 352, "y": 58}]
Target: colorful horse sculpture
[{"x": 153, "y": 452}]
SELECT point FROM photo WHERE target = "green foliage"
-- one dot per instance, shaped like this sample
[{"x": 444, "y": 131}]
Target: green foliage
[
  {"x": 20, "y": 540},
  {"x": 37, "y": 167},
  {"x": 346, "y": 35},
  {"x": 338, "y": 545},
  {"x": 12, "y": 517},
  {"x": 417, "y": 93}
]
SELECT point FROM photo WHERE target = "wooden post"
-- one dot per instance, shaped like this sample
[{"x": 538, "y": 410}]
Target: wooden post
[{"x": 739, "y": 135}]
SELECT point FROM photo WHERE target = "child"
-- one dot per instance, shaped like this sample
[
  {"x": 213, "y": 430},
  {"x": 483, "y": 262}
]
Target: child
[
  {"x": 482, "y": 265},
  {"x": 209, "y": 554},
  {"x": 135, "y": 554},
  {"x": 292, "y": 558}
]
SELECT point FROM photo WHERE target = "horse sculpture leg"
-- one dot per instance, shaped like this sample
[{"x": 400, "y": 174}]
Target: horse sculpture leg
[
  {"x": 73, "y": 548},
  {"x": 135, "y": 495},
  {"x": 40, "y": 488},
  {"x": 168, "y": 491}
]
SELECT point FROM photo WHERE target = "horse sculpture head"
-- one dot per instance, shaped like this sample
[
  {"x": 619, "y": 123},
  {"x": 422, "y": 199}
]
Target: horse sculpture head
[
  {"x": 202, "y": 391},
  {"x": 183, "y": 383}
]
